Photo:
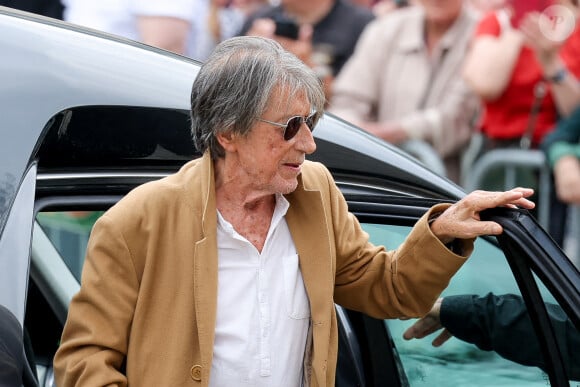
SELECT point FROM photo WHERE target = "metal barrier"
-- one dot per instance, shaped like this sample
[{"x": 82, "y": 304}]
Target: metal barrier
[
  {"x": 509, "y": 160},
  {"x": 474, "y": 171}
]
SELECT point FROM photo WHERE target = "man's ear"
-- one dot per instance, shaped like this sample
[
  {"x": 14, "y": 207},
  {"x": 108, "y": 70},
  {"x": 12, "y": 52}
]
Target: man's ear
[{"x": 227, "y": 140}]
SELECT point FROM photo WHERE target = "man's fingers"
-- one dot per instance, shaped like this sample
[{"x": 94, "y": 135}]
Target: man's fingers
[
  {"x": 423, "y": 327},
  {"x": 475, "y": 229},
  {"x": 481, "y": 200},
  {"x": 442, "y": 338},
  {"x": 416, "y": 331},
  {"x": 411, "y": 333}
]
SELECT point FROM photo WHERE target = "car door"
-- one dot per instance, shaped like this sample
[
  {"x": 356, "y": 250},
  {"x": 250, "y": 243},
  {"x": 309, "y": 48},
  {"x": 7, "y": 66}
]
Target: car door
[{"x": 523, "y": 261}]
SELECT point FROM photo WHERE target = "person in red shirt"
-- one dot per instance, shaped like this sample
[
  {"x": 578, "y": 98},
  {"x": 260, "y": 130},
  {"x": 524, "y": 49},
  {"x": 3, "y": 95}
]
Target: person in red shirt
[
  {"x": 526, "y": 74},
  {"x": 526, "y": 78}
]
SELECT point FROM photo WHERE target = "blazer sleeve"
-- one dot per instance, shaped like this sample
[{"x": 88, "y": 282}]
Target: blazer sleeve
[
  {"x": 403, "y": 282},
  {"x": 96, "y": 334}
]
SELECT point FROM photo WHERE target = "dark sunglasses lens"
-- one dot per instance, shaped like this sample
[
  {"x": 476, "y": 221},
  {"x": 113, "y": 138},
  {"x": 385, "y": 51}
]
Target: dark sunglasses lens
[
  {"x": 311, "y": 121},
  {"x": 292, "y": 128}
]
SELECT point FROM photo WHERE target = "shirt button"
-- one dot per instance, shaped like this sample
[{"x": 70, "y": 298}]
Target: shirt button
[{"x": 196, "y": 373}]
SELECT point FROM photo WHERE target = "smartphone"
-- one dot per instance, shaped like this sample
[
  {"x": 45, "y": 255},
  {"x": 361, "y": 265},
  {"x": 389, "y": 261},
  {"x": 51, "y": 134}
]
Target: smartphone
[
  {"x": 287, "y": 28},
  {"x": 522, "y": 7}
]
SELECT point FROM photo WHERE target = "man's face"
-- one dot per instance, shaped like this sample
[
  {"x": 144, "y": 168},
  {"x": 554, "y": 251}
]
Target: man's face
[{"x": 267, "y": 162}]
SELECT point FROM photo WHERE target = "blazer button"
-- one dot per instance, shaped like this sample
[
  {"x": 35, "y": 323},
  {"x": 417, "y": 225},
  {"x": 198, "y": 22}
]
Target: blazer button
[{"x": 196, "y": 373}]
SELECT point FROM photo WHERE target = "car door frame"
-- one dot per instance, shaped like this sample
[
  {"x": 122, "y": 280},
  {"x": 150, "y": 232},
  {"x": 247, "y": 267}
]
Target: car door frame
[{"x": 528, "y": 249}]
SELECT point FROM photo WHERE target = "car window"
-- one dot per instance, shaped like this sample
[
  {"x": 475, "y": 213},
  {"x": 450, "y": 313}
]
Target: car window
[
  {"x": 101, "y": 137},
  {"x": 69, "y": 232},
  {"x": 457, "y": 363}
]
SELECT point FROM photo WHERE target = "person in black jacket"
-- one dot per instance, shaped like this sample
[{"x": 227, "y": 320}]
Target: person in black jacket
[{"x": 499, "y": 323}]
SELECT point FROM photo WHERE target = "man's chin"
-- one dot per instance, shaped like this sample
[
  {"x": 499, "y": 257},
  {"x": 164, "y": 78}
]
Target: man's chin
[{"x": 289, "y": 187}]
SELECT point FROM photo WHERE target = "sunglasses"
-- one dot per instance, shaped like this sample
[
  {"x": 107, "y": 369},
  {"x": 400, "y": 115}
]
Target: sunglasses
[{"x": 294, "y": 124}]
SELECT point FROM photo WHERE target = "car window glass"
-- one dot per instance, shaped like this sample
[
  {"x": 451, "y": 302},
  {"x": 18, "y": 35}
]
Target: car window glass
[
  {"x": 457, "y": 363},
  {"x": 69, "y": 232},
  {"x": 109, "y": 136}
]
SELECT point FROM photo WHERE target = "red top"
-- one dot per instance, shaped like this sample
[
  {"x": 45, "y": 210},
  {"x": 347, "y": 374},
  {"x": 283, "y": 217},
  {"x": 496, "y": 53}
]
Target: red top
[{"x": 507, "y": 116}]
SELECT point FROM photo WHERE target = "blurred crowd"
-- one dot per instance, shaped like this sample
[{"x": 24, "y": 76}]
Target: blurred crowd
[{"x": 441, "y": 72}]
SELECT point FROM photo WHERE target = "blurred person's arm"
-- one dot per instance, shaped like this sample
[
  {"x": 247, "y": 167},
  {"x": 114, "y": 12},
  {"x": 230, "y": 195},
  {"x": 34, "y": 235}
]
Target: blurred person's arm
[
  {"x": 164, "y": 24},
  {"x": 567, "y": 177},
  {"x": 448, "y": 126},
  {"x": 562, "y": 150},
  {"x": 169, "y": 33},
  {"x": 490, "y": 62},
  {"x": 564, "y": 84}
]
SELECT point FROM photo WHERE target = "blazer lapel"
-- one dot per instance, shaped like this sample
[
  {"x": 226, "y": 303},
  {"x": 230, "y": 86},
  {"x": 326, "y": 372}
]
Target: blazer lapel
[
  {"x": 311, "y": 239},
  {"x": 206, "y": 265},
  {"x": 205, "y": 295},
  {"x": 310, "y": 230}
]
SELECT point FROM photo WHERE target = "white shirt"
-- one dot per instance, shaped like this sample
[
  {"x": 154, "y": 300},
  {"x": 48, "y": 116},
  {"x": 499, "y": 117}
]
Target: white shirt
[{"x": 263, "y": 313}]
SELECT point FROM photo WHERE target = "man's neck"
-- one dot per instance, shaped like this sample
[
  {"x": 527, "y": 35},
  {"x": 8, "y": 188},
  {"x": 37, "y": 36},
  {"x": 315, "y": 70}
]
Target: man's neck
[{"x": 230, "y": 194}]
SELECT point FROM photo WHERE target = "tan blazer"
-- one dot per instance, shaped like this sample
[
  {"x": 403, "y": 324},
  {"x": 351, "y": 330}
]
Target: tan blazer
[{"x": 149, "y": 284}]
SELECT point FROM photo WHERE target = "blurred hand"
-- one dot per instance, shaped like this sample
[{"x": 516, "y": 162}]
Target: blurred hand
[
  {"x": 462, "y": 220},
  {"x": 301, "y": 47},
  {"x": 428, "y": 324},
  {"x": 567, "y": 179},
  {"x": 546, "y": 49},
  {"x": 262, "y": 27}
]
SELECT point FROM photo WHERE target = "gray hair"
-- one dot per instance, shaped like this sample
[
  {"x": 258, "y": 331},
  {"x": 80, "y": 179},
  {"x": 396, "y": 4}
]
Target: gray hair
[{"x": 235, "y": 85}]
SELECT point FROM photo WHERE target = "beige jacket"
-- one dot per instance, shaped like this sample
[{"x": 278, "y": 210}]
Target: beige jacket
[
  {"x": 390, "y": 77},
  {"x": 149, "y": 285}
]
